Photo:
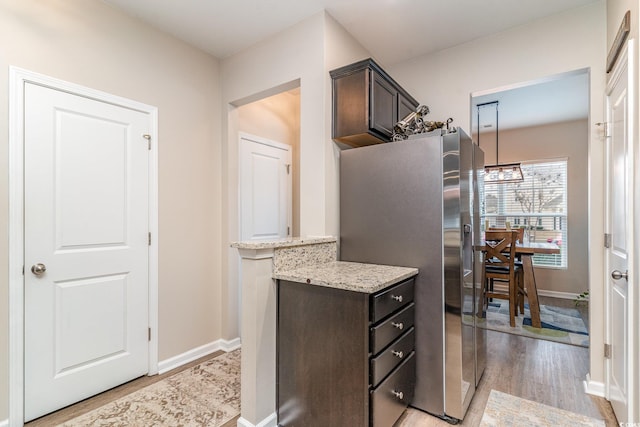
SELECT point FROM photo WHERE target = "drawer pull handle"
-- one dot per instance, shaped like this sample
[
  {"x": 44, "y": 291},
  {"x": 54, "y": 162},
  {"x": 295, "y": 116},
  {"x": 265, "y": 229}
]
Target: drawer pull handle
[
  {"x": 398, "y": 325},
  {"x": 398, "y": 394},
  {"x": 398, "y": 354},
  {"x": 397, "y": 297}
]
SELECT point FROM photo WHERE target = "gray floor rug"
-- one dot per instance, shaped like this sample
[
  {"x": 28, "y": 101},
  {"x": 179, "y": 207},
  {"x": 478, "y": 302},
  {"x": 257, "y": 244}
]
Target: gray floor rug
[
  {"x": 559, "y": 324},
  {"x": 207, "y": 394},
  {"x": 505, "y": 410}
]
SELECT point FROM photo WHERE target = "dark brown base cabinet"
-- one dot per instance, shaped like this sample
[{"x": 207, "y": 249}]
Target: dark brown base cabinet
[{"x": 344, "y": 358}]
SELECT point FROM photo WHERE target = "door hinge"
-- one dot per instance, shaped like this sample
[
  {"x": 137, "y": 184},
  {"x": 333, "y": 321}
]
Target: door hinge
[
  {"x": 148, "y": 138},
  {"x": 605, "y": 126},
  {"x": 149, "y": 330},
  {"x": 288, "y": 231},
  {"x": 288, "y": 169},
  {"x": 607, "y": 240},
  {"x": 23, "y": 270},
  {"x": 607, "y": 351},
  {"x": 149, "y": 238}
]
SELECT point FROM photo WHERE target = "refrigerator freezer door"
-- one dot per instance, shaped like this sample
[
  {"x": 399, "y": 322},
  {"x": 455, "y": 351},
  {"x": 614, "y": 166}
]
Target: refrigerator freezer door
[{"x": 391, "y": 213}]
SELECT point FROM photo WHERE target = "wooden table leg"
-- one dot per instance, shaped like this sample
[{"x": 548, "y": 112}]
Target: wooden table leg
[{"x": 532, "y": 291}]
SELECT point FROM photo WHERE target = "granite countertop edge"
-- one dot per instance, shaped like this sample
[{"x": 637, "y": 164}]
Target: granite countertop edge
[
  {"x": 283, "y": 243},
  {"x": 350, "y": 276}
]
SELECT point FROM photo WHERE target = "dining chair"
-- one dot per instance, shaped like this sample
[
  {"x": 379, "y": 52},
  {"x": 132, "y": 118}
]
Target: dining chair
[
  {"x": 519, "y": 230},
  {"x": 499, "y": 265}
]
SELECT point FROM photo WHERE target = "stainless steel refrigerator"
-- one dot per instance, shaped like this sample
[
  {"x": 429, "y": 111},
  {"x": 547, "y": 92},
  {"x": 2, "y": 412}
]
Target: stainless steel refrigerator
[{"x": 415, "y": 203}]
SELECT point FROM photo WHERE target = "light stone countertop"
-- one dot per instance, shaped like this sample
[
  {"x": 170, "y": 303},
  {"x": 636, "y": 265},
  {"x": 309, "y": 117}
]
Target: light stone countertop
[
  {"x": 350, "y": 276},
  {"x": 282, "y": 243}
]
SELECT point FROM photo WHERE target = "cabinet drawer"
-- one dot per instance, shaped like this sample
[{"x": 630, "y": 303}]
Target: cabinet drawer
[
  {"x": 391, "y": 299},
  {"x": 384, "y": 333},
  {"x": 391, "y": 357},
  {"x": 394, "y": 394}
]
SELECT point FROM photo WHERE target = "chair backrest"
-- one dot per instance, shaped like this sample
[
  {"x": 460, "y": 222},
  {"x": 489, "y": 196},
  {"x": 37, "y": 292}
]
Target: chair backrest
[
  {"x": 500, "y": 247},
  {"x": 519, "y": 230}
]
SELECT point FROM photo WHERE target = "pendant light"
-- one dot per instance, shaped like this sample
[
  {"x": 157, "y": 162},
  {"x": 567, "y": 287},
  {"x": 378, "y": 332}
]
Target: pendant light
[{"x": 499, "y": 173}]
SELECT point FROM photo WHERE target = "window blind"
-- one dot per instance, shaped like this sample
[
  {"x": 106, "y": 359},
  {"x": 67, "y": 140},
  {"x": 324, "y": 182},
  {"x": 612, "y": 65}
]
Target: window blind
[{"x": 538, "y": 204}]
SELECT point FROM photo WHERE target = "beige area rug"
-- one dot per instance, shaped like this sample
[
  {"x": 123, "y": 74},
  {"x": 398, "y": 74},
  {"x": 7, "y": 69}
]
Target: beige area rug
[
  {"x": 505, "y": 410},
  {"x": 559, "y": 324},
  {"x": 207, "y": 394}
]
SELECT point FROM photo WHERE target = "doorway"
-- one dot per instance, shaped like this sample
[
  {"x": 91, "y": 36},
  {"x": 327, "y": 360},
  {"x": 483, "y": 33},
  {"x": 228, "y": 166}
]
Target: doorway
[
  {"x": 544, "y": 126},
  {"x": 273, "y": 115},
  {"x": 83, "y": 264}
]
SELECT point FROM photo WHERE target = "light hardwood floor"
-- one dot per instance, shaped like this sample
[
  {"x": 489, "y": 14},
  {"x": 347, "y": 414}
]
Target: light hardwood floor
[{"x": 542, "y": 371}]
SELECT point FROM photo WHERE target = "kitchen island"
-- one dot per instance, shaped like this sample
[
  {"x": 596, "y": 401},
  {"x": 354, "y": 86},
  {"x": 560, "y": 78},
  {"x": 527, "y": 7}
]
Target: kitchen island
[{"x": 345, "y": 344}]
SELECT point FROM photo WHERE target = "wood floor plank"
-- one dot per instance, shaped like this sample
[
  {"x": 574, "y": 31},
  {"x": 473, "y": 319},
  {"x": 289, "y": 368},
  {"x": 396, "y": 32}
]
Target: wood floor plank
[{"x": 542, "y": 371}]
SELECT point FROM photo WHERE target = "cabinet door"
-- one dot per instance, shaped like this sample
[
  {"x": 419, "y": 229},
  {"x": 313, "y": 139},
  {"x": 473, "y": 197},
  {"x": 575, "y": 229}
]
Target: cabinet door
[
  {"x": 404, "y": 107},
  {"x": 383, "y": 109}
]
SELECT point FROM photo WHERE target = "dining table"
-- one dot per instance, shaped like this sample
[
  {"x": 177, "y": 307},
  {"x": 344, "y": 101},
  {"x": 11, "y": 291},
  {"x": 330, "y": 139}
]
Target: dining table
[{"x": 526, "y": 251}]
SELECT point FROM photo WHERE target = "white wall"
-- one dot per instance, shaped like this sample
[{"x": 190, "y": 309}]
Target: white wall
[
  {"x": 89, "y": 43},
  {"x": 555, "y": 141},
  {"x": 568, "y": 41},
  {"x": 299, "y": 56}
]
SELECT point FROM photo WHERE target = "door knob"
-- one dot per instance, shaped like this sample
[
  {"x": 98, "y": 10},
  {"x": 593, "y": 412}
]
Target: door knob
[
  {"x": 617, "y": 275},
  {"x": 38, "y": 269}
]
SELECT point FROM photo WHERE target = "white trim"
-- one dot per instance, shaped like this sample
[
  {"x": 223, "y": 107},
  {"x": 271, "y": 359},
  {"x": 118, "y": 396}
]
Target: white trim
[
  {"x": 256, "y": 253},
  {"x": 557, "y": 294},
  {"x": 4, "y": 423},
  {"x": 545, "y": 293},
  {"x": 16, "y": 248},
  {"x": 17, "y": 79},
  {"x": 196, "y": 353},
  {"x": 270, "y": 421},
  {"x": 594, "y": 388},
  {"x": 264, "y": 141}
]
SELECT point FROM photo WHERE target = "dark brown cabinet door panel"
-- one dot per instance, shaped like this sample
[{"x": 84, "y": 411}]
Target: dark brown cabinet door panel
[
  {"x": 383, "y": 106},
  {"x": 387, "y": 331},
  {"x": 390, "y": 399},
  {"x": 398, "y": 351},
  {"x": 391, "y": 300}
]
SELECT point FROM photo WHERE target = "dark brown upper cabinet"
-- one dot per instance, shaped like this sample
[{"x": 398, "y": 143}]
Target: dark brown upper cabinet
[{"x": 367, "y": 103}]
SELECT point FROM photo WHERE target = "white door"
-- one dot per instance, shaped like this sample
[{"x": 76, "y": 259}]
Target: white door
[
  {"x": 620, "y": 330},
  {"x": 265, "y": 189},
  {"x": 86, "y": 222}
]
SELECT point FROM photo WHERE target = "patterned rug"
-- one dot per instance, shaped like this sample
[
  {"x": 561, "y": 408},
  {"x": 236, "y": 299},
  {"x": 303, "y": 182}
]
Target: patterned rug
[
  {"x": 207, "y": 394},
  {"x": 559, "y": 324},
  {"x": 505, "y": 410}
]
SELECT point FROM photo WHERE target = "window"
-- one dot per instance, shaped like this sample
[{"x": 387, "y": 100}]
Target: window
[{"x": 538, "y": 204}]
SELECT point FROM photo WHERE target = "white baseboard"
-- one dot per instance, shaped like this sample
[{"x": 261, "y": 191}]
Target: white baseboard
[
  {"x": 556, "y": 294},
  {"x": 544, "y": 293},
  {"x": 270, "y": 421},
  {"x": 4, "y": 423},
  {"x": 594, "y": 388},
  {"x": 196, "y": 353},
  {"x": 230, "y": 345}
]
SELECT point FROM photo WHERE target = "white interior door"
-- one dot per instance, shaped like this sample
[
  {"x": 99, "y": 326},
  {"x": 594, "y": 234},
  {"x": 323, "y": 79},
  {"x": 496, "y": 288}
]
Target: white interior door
[
  {"x": 86, "y": 210},
  {"x": 265, "y": 189},
  {"x": 620, "y": 330}
]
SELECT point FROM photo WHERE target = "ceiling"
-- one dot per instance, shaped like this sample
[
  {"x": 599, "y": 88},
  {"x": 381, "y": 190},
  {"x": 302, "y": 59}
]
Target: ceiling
[
  {"x": 554, "y": 99},
  {"x": 391, "y": 30}
]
